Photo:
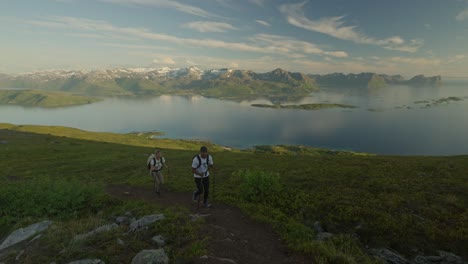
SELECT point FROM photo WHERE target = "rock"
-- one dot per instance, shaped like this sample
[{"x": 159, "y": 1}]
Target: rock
[
  {"x": 389, "y": 256},
  {"x": 443, "y": 258},
  {"x": 3, "y": 142},
  {"x": 151, "y": 256},
  {"x": 318, "y": 227},
  {"x": 98, "y": 230},
  {"x": 35, "y": 238},
  {"x": 120, "y": 242},
  {"x": 324, "y": 236},
  {"x": 217, "y": 260},
  {"x": 195, "y": 217},
  {"x": 159, "y": 240},
  {"x": 124, "y": 220},
  {"x": 19, "y": 255},
  {"x": 24, "y": 233},
  {"x": 88, "y": 261},
  {"x": 145, "y": 221}
]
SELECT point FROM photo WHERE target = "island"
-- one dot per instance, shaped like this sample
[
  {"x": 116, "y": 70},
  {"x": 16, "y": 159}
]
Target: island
[{"x": 304, "y": 106}]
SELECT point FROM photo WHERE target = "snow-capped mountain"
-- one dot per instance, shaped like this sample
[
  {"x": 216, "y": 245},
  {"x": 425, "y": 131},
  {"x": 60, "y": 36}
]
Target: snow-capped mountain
[
  {"x": 150, "y": 73},
  {"x": 232, "y": 82}
]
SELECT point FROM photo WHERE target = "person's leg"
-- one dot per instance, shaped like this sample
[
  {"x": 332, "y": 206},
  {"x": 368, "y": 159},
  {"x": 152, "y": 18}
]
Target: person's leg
[
  {"x": 198, "y": 184},
  {"x": 206, "y": 187},
  {"x": 161, "y": 180},
  {"x": 156, "y": 182}
]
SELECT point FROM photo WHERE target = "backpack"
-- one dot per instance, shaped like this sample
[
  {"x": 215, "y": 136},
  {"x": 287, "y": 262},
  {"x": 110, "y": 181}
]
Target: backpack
[
  {"x": 148, "y": 161},
  {"x": 151, "y": 158},
  {"x": 199, "y": 160}
]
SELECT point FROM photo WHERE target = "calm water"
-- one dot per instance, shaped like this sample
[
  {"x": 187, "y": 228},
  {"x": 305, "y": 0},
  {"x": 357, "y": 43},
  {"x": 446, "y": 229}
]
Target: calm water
[{"x": 388, "y": 121}]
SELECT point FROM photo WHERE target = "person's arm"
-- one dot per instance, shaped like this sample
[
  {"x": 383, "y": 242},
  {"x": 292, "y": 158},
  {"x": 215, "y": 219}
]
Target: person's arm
[
  {"x": 194, "y": 170},
  {"x": 165, "y": 164},
  {"x": 210, "y": 162}
]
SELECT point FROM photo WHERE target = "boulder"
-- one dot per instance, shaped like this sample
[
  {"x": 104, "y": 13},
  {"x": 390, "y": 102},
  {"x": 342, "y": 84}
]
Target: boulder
[
  {"x": 151, "y": 256},
  {"x": 24, "y": 233}
]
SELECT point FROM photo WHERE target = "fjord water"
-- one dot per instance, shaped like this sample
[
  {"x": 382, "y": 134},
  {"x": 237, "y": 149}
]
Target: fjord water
[{"x": 395, "y": 120}]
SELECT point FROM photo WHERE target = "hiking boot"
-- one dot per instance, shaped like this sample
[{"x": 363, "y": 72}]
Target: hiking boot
[{"x": 207, "y": 205}]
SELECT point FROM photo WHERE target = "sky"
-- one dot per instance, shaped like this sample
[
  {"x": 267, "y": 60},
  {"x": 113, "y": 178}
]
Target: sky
[{"x": 405, "y": 37}]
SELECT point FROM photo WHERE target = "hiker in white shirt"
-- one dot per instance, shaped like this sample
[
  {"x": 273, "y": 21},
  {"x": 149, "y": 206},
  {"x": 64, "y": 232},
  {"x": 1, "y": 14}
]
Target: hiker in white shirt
[
  {"x": 201, "y": 165},
  {"x": 157, "y": 163}
]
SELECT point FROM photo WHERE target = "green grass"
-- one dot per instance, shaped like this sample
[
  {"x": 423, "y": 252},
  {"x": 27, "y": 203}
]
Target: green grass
[
  {"x": 43, "y": 99},
  {"x": 405, "y": 203}
]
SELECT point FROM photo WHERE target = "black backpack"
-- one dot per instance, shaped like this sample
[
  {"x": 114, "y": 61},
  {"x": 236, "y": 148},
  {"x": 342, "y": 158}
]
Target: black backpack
[
  {"x": 199, "y": 160},
  {"x": 149, "y": 162},
  {"x": 151, "y": 158}
]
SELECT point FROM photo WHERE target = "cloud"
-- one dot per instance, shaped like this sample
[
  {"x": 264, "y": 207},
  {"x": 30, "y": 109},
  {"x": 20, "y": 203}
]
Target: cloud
[
  {"x": 266, "y": 44},
  {"x": 164, "y": 60},
  {"x": 258, "y": 2},
  {"x": 463, "y": 15},
  {"x": 416, "y": 61},
  {"x": 456, "y": 58},
  {"x": 193, "y": 10},
  {"x": 261, "y": 22},
  {"x": 207, "y": 26},
  {"x": 290, "y": 45},
  {"x": 335, "y": 27}
]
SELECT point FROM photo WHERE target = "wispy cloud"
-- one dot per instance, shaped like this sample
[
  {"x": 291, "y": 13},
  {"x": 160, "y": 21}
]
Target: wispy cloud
[
  {"x": 164, "y": 60},
  {"x": 463, "y": 15},
  {"x": 456, "y": 58},
  {"x": 417, "y": 61},
  {"x": 335, "y": 27},
  {"x": 258, "y": 2},
  {"x": 136, "y": 46},
  {"x": 189, "y": 9},
  {"x": 208, "y": 26},
  {"x": 260, "y": 43},
  {"x": 261, "y": 22},
  {"x": 291, "y": 45}
]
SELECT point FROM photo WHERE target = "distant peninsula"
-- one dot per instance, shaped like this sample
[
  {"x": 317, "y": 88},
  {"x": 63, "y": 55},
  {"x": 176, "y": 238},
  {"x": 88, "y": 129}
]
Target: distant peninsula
[
  {"x": 43, "y": 98},
  {"x": 373, "y": 80},
  {"x": 229, "y": 84},
  {"x": 305, "y": 106}
]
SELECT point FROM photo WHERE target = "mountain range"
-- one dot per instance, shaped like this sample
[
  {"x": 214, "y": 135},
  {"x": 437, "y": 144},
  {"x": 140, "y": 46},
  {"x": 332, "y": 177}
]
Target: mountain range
[{"x": 220, "y": 83}]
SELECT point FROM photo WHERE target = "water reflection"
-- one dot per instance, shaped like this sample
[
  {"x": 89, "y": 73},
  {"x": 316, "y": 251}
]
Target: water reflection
[{"x": 438, "y": 130}]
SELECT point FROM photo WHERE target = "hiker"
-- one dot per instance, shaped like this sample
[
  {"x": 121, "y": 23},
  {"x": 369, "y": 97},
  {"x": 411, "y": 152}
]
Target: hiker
[
  {"x": 156, "y": 165},
  {"x": 201, "y": 164}
]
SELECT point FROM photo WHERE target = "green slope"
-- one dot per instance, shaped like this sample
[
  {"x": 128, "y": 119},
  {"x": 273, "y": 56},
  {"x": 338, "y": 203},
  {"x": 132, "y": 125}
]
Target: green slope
[
  {"x": 413, "y": 205},
  {"x": 43, "y": 98}
]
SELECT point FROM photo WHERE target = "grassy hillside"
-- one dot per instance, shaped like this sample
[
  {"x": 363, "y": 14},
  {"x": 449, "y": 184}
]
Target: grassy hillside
[
  {"x": 414, "y": 205},
  {"x": 43, "y": 98}
]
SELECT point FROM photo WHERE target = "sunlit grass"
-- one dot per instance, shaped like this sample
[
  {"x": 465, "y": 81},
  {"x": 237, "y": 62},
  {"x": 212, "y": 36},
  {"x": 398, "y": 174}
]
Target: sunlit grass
[{"x": 404, "y": 203}]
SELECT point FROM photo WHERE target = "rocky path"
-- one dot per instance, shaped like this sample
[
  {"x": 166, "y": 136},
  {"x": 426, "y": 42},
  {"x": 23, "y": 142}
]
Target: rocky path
[{"x": 234, "y": 237}]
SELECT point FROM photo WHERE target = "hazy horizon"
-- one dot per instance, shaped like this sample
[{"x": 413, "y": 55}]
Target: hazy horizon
[{"x": 318, "y": 37}]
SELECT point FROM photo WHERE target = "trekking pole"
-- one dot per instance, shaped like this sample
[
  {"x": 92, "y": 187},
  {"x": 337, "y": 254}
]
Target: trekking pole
[
  {"x": 214, "y": 185},
  {"x": 199, "y": 195}
]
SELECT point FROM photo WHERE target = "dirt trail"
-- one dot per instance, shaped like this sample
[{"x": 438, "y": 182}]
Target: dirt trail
[{"x": 235, "y": 238}]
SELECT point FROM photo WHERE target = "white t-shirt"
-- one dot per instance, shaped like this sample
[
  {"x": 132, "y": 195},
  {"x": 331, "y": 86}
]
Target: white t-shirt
[
  {"x": 159, "y": 163},
  {"x": 204, "y": 166}
]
